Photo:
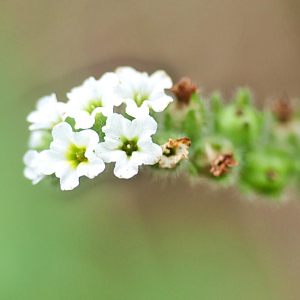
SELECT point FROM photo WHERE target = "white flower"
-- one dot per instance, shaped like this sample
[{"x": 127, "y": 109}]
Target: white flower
[
  {"x": 40, "y": 139},
  {"x": 49, "y": 112},
  {"x": 71, "y": 155},
  {"x": 32, "y": 170},
  {"x": 129, "y": 144},
  {"x": 92, "y": 97},
  {"x": 140, "y": 91}
]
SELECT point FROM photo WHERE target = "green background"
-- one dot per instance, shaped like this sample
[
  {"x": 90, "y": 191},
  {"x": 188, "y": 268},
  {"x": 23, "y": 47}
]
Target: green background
[{"x": 145, "y": 238}]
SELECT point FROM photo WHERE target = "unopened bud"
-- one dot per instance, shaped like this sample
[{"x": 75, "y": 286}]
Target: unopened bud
[{"x": 184, "y": 90}]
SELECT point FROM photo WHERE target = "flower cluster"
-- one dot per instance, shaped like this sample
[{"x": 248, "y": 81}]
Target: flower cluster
[
  {"x": 79, "y": 137},
  {"x": 132, "y": 119}
]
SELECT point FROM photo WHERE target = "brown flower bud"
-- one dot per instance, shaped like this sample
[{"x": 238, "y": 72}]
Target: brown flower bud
[
  {"x": 184, "y": 89},
  {"x": 173, "y": 152},
  {"x": 220, "y": 163},
  {"x": 282, "y": 109}
]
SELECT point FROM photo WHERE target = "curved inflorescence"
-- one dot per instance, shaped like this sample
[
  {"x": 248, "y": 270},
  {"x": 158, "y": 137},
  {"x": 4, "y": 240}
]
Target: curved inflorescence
[{"x": 131, "y": 119}]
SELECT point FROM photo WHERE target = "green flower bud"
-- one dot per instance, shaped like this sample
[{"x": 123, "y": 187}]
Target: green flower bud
[
  {"x": 268, "y": 170},
  {"x": 241, "y": 123}
]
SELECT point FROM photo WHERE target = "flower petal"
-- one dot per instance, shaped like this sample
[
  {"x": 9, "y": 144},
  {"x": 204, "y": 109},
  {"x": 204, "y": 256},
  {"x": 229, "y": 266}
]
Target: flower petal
[
  {"x": 92, "y": 168},
  {"x": 81, "y": 94},
  {"x": 122, "y": 92},
  {"x": 38, "y": 179},
  {"x": 49, "y": 112},
  {"x": 107, "y": 151},
  {"x": 62, "y": 134},
  {"x": 145, "y": 87},
  {"x": 142, "y": 128},
  {"x": 116, "y": 126},
  {"x": 88, "y": 138},
  {"x": 159, "y": 101},
  {"x": 133, "y": 110},
  {"x": 30, "y": 158},
  {"x": 126, "y": 167},
  {"x": 106, "y": 111},
  {"x": 129, "y": 76},
  {"x": 51, "y": 161},
  {"x": 108, "y": 80},
  {"x": 149, "y": 153},
  {"x": 83, "y": 119},
  {"x": 160, "y": 80},
  {"x": 30, "y": 173},
  {"x": 46, "y": 101},
  {"x": 32, "y": 170},
  {"x": 69, "y": 179},
  {"x": 40, "y": 139}
]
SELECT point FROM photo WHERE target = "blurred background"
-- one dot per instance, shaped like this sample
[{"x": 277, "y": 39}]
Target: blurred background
[{"x": 143, "y": 239}]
